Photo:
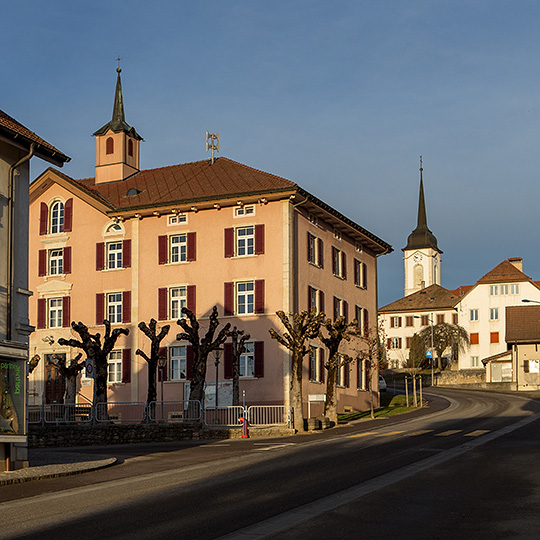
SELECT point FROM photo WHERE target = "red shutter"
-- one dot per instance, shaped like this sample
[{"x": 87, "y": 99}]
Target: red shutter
[
  {"x": 229, "y": 242},
  {"x": 191, "y": 246},
  {"x": 343, "y": 265},
  {"x": 190, "y": 360},
  {"x": 126, "y": 306},
  {"x": 346, "y": 311},
  {"x": 259, "y": 239},
  {"x": 126, "y": 365},
  {"x": 43, "y": 218},
  {"x": 100, "y": 308},
  {"x": 162, "y": 371},
  {"x": 321, "y": 301},
  {"x": 66, "y": 315},
  {"x": 163, "y": 311},
  {"x": 228, "y": 360},
  {"x": 67, "y": 260},
  {"x": 259, "y": 359},
  {"x": 68, "y": 215},
  {"x": 100, "y": 256},
  {"x": 191, "y": 299},
  {"x": 321, "y": 253},
  {"x": 42, "y": 312},
  {"x": 364, "y": 275},
  {"x": 321, "y": 360},
  {"x": 388, "y": 343},
  {"x": 162, "y": 249},
  {"x": 42, "y": 262},
  {"x": 259, "y": 296},
  {"x": 309, "y": 254},
  {"x": 126, "y": 253},
  {"x": 228, "y": 307}
]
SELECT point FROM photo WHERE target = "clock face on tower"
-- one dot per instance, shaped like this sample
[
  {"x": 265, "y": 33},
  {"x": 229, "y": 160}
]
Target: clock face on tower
[{"x": 417, "y": 257}]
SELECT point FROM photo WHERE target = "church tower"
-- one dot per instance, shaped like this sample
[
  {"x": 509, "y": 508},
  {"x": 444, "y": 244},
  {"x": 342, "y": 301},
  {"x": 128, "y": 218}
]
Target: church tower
[
  {"x": 117, "y": 144},
  {"x": 422, "y": 256}
]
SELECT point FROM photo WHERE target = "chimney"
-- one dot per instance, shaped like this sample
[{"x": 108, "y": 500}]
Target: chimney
[{"x": 517, "y": 262}]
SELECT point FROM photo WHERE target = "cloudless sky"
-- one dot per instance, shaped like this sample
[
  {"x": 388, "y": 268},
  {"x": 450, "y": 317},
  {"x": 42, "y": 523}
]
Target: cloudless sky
[{"x": 341, "y": 97}]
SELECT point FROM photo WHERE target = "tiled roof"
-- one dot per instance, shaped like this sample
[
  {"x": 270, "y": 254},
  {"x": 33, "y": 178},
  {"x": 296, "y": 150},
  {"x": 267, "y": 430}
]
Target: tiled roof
[
  {"x": 188, "y": 182},
  {"x": 44, "y": 150},
  {"x": 504, "y": 272},
  {"x": 523, "y": 324},
  {"x": 433, "y": 297}
]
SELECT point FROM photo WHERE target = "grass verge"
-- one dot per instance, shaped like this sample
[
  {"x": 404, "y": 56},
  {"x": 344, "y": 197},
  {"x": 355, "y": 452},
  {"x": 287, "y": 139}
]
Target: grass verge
[{"x": 391, "y": 404}]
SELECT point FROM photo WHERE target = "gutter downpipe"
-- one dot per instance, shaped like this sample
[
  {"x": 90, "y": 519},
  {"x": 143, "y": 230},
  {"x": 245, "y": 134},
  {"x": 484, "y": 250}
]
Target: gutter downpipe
[{"x": 11, "y": 239}]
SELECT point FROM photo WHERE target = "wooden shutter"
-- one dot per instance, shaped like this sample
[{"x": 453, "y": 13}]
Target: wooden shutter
[
  {"x": 190, "y": 360},
  {"x": 259, "y": 239},
  {"x": 228, "y": 360},
  {"x": 346, "y": 375},
  {"x": 43, "y": 218},
  {"x": 320, "y": 253},
  {"x": 334, "y": 268},
  {"x": 229, "y": 242},
  {"x": 163, "y": 245},
  {"x": 321, "y": 301},
  {"x": 310, "y": 256},
  {"x": 366, "y": 321},
  {"x": 309, "y": 292},
  {"x": 310, "y": 364},
  {"x": 126, "y": 365},
  {"x": 42, "y": 262},
  {"x": 67, "y": 260},
  {"x": 228, "y": 304},
  {"x": 336, "y": 308},
  {"x": 68, "y": 215},
  {"x": 346, "y": 311},
  {"x": 42, "y": 313},
  {"x": 66, "y": 315},
  {"x": 356, "y": 270},
  {"x": 126, "y": 306},
  {"x": 100, "y": 256},
  {"x": 191, "y": 254},
  {"x": 259, "y": 359},
  {"x": 163, "y": 308},
  {"x": 126, "y": 253},
  {"x": 343, "y": 265},
  {"x": 100, "y": 308},
  {"x": 191, "y": 300},
  {"x": 321, "y": 365},
  {"x": 364, "y": 275},
  {"x": 259, "y": 296}
]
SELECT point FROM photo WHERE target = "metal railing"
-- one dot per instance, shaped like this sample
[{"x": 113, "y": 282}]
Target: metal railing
[
  {"x": 174, "y": 411},
  {"x": 268, "y": 415},
  {"x": 224, "y": 416},
  {"x": 126, "y": 412}
]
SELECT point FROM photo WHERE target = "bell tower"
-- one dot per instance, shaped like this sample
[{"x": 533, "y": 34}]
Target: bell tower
[
  {"x": 422, "y": 257},
  {"x": 117, "y": 144}
]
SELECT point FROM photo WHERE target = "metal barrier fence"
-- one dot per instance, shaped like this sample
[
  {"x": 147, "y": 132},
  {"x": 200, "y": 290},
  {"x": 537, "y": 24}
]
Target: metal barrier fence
[
  {"x": 224, "y": 416},
  {"x": 268, "y": 415},
  {"x": 174, "y": 411},
  {"x": 120, "y": 412}
]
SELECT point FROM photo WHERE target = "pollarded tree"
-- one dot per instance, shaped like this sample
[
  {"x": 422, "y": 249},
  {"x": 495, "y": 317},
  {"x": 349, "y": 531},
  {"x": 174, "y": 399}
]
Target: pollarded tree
[
  {"x": 70, "y": 372},
  {"x": 96, "y": 352},
  {"x": 238, "y": 347},
  {"x": 300, "y": 327},
  {"x": 150, "y": 331},
  {"x": 201, "y": 347},
  {"x": 338, "y": 331},
  {"x": 445, "y": 336}
]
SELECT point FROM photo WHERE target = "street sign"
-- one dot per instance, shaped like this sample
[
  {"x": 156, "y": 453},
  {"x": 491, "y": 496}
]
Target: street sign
[
  {"x": 90, "y": 371},
  {"x": 429, "y": 354}
]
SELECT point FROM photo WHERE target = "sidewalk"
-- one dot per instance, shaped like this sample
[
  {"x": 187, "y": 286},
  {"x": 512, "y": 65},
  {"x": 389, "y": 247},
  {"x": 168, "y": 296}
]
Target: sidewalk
[{"x": 53, "y": 464}]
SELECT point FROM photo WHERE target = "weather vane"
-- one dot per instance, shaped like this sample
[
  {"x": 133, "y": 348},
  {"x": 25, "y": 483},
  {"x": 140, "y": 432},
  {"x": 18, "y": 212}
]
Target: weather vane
[
  {"x": 118, "y": 60},
  {"x": 421, "y": 163},
  {"x": 212, "y": 143}
]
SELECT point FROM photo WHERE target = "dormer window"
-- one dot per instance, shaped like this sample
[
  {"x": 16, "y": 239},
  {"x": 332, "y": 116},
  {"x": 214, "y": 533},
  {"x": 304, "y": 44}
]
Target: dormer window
[
  {"x": 56, "y": 217},
  {"x": 109, "y": 146}
]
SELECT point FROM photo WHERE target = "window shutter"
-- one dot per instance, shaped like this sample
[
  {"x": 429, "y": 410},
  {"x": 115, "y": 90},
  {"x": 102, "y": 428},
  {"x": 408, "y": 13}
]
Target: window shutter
[
  {"x": 42, "y": 312},
  {"x": 321, "y": 252},
  {"x": 366, "y": 321},
  {"x": 126, "y": 253},
  {"x": 346, "y": 311},
  {"x": 336, "y": 308},
  {"x": 343, "y": 265},
  {"x": 100, "y": 308},
  {"x": 321, "y": 301},
  {"x": 68, "y": 215},
  {"x": 259, "y": 296},
  {"x": 162, "y": 371},
  {"x": 334, "y": 269},
  {"x": 309, "y": 254},
  {"x": 126, "y": 306},
  {"x": 42, "y": 262},
  {"x": 43, "y": 218},
  {"x": 162, "y": 249},
  {"x": 228, "y": 360},
  {"x": 126, "y": 365},
  {"x": 364, "y": 275},
  {"x": 228, "y": 307},
  {"x": 358, "y": 316},
  {"x": 191, "y": 254},
  {"x": 356, "y": 270},
  {"x": 66, "y": 311},
  {"x": 163, "y": 311},
  {"x": 259, "y": 239},
  {"x": 191, "y": 298},
  {"x": 259, "y": 359},
  {"x": 358, "y": 374},
  {"x": 321, "y": 363},
  {"x": 67, "y": 259},
  {"x": 309, "y": 292},
  {"x": 229, "y": 242},
  {"x": 190, "y": 360},
  {"x": 310, "y": 365},
  {"x": 100, "y": 256},
  {"x": 388, "y": 343},
  {"x": 347, "y": 375}
]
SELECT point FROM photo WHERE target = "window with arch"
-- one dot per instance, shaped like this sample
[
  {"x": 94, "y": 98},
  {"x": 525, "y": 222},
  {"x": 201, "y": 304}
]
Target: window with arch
[
  {"x": 130, "y": 148},
  {"x": 109, "y": 146},
  {"x": 56, "y": 217}
]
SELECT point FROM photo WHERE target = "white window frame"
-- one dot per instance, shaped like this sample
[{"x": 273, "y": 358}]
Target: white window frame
[
  {"x": 55, "y": 262},
  {"x": 114, "y": 367},
  {"x": 493, "y": 290},
  {"x": 177, "y": 300},
  {"x": 337, "y": 235},
  {"x": 177, "y": 219},
  {"x": 245, "y": 297},
  {"x": 514, "y": 288},
  {"x": 244, "y": 210},
  {"x": 247, "y": 361},
  {"x": 503, "y": 289},
  {"x": 57, "y": 215},
  {"x": 337, "y": 255},
  {"x": 315, "y": 298},
  {"x": 494, "y": 314},
  {"x": 473, "y": 315},
  {"x": 244, "y": 242},
  {"x": 394, "y": 343},
  {"x": 313, "y": 219},
  {"x": 114, "y": 307},
  {"x": 475, "y": 361},
  {"x": 114, "y": 254},
  {"x": 178, "y": 363},
  {"x": 178, "y": 248},
  {"x": 54, "y": 312}
]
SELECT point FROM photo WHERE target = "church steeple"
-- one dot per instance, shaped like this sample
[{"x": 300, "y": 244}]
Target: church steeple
[
  {"x": 117, "y": 143},
  {"x": 422, "y": 256}
]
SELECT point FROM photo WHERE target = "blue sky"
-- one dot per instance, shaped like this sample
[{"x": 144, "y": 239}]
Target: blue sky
[{"x": 341, "y": 97}]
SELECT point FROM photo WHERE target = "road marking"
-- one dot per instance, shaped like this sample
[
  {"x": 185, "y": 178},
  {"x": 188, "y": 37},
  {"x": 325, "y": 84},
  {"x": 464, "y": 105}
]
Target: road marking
[
  {"x": 421, "y": 432},
  {"x": 363, "y": 434},
  {"x": 448, "y": 433},
  {"x": 389, "y": 433},
  {"x": 477, "y": 433},
  {"x": 274, "y": 446}
]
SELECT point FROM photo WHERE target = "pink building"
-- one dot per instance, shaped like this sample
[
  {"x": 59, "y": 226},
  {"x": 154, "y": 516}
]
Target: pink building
[{"x": 130, "y": 245}]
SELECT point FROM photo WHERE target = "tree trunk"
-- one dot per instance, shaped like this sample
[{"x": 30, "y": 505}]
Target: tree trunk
[
  {"x": 196, "y": 388},
  {"x": 71, "y": 389},
  {"x": 100, "y": 365},
  {"x": 296, "y": 390},
  {"x": 330, "y": 404},
  {"x": 152, "y": 389}
]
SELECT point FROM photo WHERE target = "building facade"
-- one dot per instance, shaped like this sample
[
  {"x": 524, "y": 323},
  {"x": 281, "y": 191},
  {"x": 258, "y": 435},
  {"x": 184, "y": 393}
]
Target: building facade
[{"x": 129, "y": 245}]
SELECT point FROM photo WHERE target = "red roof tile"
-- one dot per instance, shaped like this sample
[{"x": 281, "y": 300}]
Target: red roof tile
[
  {"x": 433, "y": 297},
  {"x": 504, "y": 272},
  {"x": 523, "y": 324}
]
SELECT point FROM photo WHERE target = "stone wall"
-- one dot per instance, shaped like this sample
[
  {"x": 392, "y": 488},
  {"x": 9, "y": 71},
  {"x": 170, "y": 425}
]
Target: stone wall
[{"x": 464, "y": 376}]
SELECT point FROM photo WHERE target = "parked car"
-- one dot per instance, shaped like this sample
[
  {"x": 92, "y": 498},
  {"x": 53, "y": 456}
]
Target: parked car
[{"x": 382, "y": 384}]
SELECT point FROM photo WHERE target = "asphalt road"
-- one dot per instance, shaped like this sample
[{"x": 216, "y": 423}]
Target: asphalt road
[{"x": 464, "y": 471}]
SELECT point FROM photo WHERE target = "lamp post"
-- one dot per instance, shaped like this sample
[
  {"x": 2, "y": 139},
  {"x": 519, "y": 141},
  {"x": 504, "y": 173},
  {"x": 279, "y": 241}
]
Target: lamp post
[
  {"x": 217, "y": 356},
  {"x": 430, "y": 319}
]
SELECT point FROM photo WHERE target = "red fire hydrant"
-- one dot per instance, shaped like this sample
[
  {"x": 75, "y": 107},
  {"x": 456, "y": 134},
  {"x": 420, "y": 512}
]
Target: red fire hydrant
[{"x": 245, "y": 434}]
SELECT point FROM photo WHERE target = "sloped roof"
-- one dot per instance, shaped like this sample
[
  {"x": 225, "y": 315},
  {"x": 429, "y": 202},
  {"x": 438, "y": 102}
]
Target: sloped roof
[
  {"x": 433, "y": 297},
  {"x": 523, "y": 324},
  {"x": 13, "y": 130},
  {"x": 504, "y": 272}
]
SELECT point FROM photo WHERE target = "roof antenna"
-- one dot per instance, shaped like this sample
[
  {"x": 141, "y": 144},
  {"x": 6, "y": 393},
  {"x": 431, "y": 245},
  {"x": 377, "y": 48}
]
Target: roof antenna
[
  {"x": 119, "y": 69},
  {"x": 212, "y": 143}
]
